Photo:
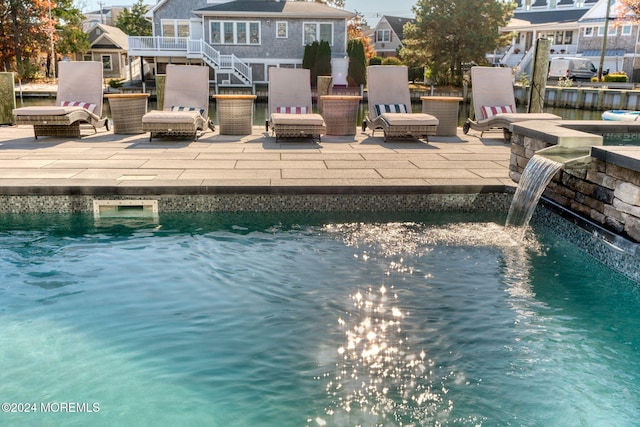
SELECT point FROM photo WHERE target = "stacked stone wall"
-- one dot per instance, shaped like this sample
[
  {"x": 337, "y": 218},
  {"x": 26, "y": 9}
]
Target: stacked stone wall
[{"x": 604, "y": 193}]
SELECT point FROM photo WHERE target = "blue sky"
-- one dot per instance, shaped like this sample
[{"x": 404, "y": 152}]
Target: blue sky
[{"x": 371, "y": 9}]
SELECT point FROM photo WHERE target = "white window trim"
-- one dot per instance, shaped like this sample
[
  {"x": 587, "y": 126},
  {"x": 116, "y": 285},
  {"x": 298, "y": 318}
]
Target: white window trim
[
  {"x": 388, "y": 33},
  {"x": 590, "y": 34},
  {"x": 176, "y": 23},
  {"x": 317, "y": 25},
  {"x": 247, "y": 41},
  {"x": 286, "y": 29},
  {"x": 626, "y": 30},
  {"x": 600, "y": 30},
  {"x": 110, "y": 68}
]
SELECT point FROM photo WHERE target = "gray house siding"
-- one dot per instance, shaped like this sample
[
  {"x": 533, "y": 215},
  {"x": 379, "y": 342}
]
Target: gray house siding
[{"x": 175, "y": 10}]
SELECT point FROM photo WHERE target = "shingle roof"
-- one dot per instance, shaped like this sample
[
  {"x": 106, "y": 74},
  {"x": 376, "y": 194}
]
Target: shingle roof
[
  {"x": 286, "y": 8},
  {"x": 550, "y": 16},
  {"x": 397, "y": 24}
]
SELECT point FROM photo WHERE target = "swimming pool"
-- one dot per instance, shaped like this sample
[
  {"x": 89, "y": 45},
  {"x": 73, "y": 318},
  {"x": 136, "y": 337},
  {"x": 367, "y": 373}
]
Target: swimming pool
[{"x": 311, "y": 319}]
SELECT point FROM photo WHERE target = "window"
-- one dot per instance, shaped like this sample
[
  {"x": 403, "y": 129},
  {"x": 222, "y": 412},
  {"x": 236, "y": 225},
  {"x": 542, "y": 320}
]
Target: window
[
  {"x": 87, "y": 58},
  {"x": 317, "y": 31},
  {"x": 282, "y": 30},
  {"x": 232, "y": 32},
  {"x": 588, "y": 31},
  {"x": 383, "y": 35},
  {"x": 612, "y": 30},
  {"x": 106, "y": 63},
  {"x": 175, "y": 28},
  {"x": 626, "y": 30},
  {"x": 600, "y": 31}
]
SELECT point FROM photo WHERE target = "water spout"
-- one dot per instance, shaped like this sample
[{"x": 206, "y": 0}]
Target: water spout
[{"x": 536, "y": 176}]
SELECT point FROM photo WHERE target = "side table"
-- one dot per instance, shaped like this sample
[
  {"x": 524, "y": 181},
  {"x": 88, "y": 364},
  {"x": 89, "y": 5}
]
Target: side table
[
  {"x": 235, "y": 113},
  {"x": 340, "y": 113},
  {"x": 127, "y": 110},
  {"x": 445, "y": 109}
]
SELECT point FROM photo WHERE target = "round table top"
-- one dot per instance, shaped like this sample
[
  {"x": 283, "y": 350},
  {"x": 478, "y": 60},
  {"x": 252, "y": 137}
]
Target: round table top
[
  {"x": 441, "y": 98},
  {"x": 341, "y": 97},
  {"x": 126, "y": 95},
  {"x": 233, "y": 96}
]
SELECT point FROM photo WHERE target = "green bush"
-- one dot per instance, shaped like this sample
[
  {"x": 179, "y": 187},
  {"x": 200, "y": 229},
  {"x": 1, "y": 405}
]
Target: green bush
[
  {"x": 356, "y": 75},
  {"x": 27, "y": 70},
  {"x": 376, "y": 60},
  {"x": 323, "y": 59},
  {"x": 392, "y": 60},
  {"x": 620, "y": 77},
  {"x": 116, "y": 83}
]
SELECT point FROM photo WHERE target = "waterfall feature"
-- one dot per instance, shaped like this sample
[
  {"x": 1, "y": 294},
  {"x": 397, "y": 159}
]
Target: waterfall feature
[
  {"x": 537, "y": 175},
  {"x": 534, "y": 180}
]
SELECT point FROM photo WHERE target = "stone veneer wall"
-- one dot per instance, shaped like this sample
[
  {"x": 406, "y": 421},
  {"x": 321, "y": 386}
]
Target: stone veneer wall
[{"x": 604, "y": 193}]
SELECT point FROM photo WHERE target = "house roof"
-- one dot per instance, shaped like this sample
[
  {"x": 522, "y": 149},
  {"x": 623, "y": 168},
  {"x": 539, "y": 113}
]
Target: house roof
[
  {"x": 115, "y": 35},
  {"x": 397, "y": 24},
  {"x": 289, "y": 9},
  {"x": 547, "y": 17}
]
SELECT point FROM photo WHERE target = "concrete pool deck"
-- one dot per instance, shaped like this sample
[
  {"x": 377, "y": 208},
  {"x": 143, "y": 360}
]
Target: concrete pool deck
[{"x": 103, "y": 163}]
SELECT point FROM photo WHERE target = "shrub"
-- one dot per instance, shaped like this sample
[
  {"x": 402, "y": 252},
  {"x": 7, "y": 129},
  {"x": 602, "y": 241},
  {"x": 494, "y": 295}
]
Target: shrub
[
  {"x": 323, "y": 59},
  {"x": 376, "y": 60},
  {"x": 356, "y": 75},
  {"x": 620, "y": 77},
  {"x": 27, "y": 70},
  {"x": 392, "y": 60},
  {"x": 116, "y": 83}
]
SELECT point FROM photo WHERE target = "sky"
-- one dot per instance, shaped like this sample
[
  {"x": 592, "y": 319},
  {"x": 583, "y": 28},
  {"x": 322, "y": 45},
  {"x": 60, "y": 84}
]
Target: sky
[{"x": 371, "y": 9}]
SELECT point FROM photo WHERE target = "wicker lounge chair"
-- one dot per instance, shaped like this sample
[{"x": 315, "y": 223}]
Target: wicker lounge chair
[
  {"x": 79, "y": 100},
  {"x": 390, "y": 105},
  {"x": 186, "y": 104},
  {"x": 290, "y": 105},
  {"x": 494, "y": 102}
]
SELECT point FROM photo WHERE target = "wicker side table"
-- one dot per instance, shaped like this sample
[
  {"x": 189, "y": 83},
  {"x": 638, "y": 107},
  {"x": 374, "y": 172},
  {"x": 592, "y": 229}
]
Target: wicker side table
[
  {"x": 235, "y": 113},
  {"x": 340, "y": 113},
  {"x": 445, "y": 109},
  {"x": 127, "y": 110}
]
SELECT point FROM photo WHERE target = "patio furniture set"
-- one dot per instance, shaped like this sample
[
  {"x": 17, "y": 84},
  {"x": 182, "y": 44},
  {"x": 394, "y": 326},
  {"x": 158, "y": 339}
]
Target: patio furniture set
[{"x": 186, "y": 101}]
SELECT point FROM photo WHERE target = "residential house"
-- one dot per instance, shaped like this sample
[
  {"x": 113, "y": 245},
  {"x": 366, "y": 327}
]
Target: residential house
[
  {"x": 575, "y": 28},
  {"x": 109, "y": 45},
  {"x": 388, "y": 34},
  {"x": 105, "y": 15},
  {"x": 239, "y": 40}
]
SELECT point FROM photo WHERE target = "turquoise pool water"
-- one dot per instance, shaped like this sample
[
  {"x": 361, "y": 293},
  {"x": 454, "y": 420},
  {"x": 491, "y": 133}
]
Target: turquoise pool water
[{"x": 310, "y": 320}]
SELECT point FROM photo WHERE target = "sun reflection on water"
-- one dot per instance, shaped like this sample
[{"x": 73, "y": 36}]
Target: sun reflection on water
[{"x": 379, "y": 379}]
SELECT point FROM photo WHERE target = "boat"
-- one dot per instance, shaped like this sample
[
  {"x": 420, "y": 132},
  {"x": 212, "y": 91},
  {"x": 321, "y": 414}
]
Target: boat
[{"x": 621, "y": 115}]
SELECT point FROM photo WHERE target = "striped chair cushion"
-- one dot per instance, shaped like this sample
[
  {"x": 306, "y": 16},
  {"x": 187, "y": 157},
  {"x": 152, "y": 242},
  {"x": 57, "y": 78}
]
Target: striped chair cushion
[
  {"x": 292, "y": 110},
  {"x": 390, "y": 108},
  {"x": 179, "y": 108},
  {"x": 490, "y": 111},
  {"x": 86, "y": 105}
]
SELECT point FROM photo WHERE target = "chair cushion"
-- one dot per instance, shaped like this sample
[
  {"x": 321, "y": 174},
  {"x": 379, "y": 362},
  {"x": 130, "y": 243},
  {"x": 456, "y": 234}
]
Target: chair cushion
[
  {"x": 390, "y": 108},
  {"x": 410, "y": 119},
  {"x": 158, "y": 116},
  {"x": 297, "y": 119},
  {"x": 291, "y": 110},
  {"x": 180, "y": 108},
  {"x": 490, "y": 111},
  {"x": 43, "y": 110},
  {"x": 86, "y": 105}
]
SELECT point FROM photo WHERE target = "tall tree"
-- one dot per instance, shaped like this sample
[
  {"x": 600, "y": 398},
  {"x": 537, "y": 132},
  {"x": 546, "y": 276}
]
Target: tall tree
[
  {"x": 25, "y": 29},
  {"x": 71, "y": 37},
  {"x": 448, "y": 34},
  {"x": 133, "y": 22},
  {"x": 354, "y": 32},
  {"x": 356, "y": 75},
  {"x": 627, "y": 11}
]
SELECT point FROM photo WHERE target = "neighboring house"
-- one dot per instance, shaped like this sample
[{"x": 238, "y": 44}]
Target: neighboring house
[
  {"x": 239, "y": 40},
  {"x": 106, "y": 16},
  {"x": 575, "y": 28},
  {"x": 388, "y": 34},
  {"x": 109, "y": 45}
]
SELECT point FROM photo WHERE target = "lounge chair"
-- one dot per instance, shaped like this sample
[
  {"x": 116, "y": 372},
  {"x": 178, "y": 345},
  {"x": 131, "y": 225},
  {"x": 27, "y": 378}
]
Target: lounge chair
[
  {"x": 186, "y": 104},
  {"x": 390, "y": 105},
  {"x": 290, "y": 113},
  {"x": 494, "y": 102},
  {"x": 79, "y": 100}
]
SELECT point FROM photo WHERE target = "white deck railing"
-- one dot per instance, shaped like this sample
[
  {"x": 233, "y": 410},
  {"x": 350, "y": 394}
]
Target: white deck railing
[{"x": 192, "y": 47}]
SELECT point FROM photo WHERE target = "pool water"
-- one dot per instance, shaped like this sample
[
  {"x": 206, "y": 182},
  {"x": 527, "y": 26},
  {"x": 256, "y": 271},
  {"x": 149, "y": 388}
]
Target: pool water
[{"x": 311, "y": 320}]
